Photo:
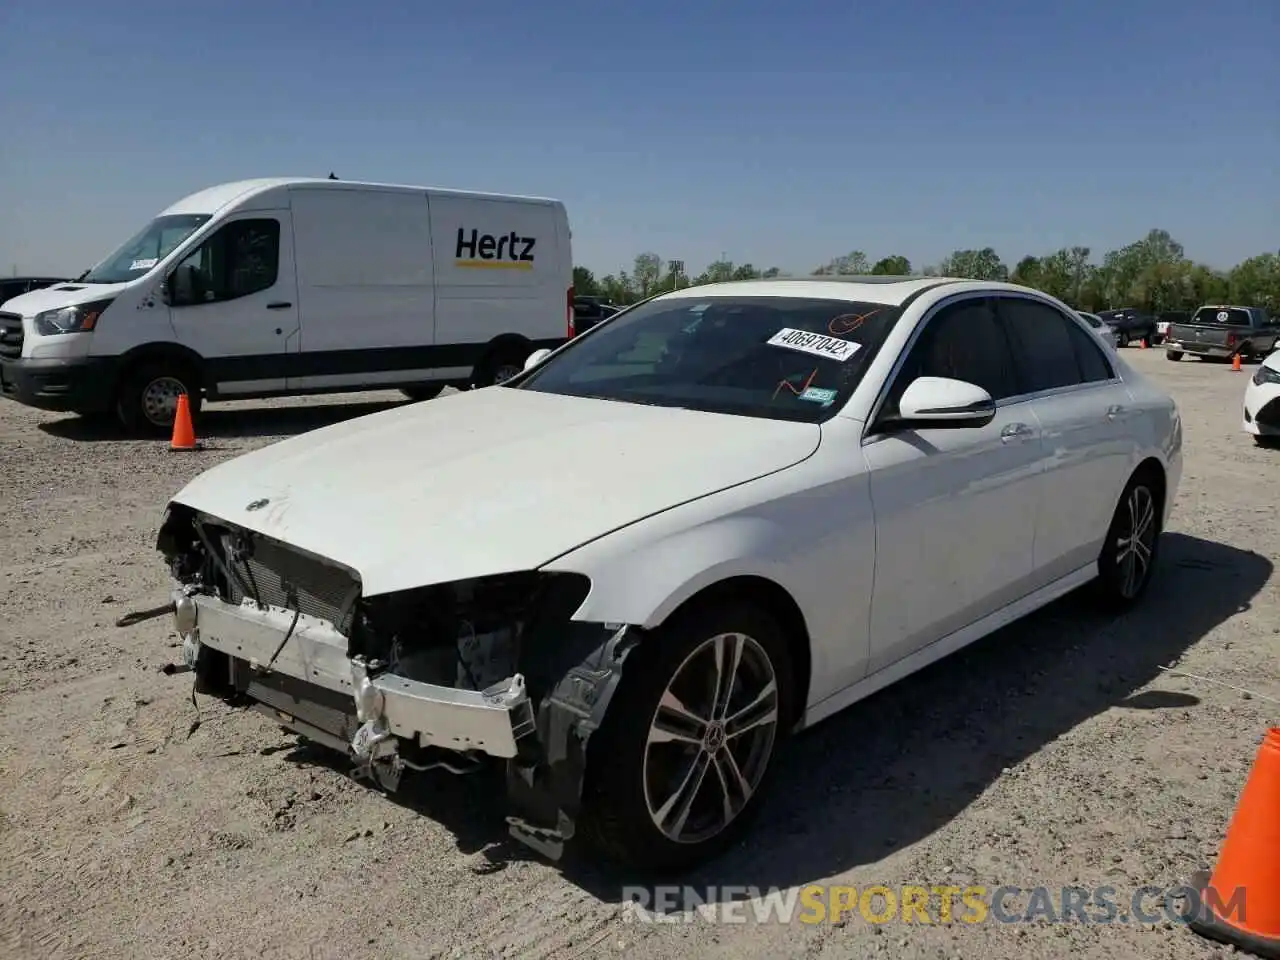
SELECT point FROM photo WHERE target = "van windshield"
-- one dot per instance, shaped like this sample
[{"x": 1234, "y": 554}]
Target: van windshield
[
  {"x": 781, "y": 358},
  {"x": 146, "y": 248}
]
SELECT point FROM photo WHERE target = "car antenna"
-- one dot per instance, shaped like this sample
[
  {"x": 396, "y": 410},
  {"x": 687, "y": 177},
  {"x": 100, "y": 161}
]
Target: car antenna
[{"x": 332, "y": 175}]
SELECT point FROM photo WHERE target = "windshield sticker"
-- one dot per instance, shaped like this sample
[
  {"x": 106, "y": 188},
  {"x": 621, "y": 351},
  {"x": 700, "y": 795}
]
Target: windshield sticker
[
  {"x": 143, "y": 264},
  {"x": 815, "y": 344},
  {"x": 819, "y": 395},
  {"x": 846, "y": 323}
]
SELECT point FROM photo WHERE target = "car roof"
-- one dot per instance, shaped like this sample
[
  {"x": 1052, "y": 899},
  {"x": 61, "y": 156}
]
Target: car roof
[{"x": 889, "y": 290}]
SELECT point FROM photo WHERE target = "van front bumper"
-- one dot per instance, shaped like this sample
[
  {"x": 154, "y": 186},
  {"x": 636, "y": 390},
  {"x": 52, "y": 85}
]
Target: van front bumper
[{"x": 65, "y": 385}]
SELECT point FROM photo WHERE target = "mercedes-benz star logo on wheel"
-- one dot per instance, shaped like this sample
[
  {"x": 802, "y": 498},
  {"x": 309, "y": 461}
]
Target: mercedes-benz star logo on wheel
[{"x": 257, "y": 504}]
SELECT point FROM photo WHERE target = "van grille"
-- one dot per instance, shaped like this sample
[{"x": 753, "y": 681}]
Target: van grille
[{"x": 10, "y": 335}]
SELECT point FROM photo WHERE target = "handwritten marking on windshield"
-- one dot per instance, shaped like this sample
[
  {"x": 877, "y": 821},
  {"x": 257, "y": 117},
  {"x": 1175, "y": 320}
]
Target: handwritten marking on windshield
[
  {"x": 787, "y": 383},
  {"x": 846, "y": 323}
]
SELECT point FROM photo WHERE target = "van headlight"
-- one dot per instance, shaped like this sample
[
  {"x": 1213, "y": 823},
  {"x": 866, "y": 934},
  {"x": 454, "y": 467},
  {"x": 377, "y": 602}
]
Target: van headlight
[{"x": 78, "y": 319}]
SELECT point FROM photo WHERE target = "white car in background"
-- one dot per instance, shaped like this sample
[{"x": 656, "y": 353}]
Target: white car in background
[
  {"x": 1103, "y": 330},
  {"x": 633, "y": 570},
  {"x": 1262, "y": 402}
]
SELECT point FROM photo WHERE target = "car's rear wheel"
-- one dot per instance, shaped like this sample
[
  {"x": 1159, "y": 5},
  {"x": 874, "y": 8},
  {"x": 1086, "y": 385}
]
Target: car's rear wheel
[
  {"x": 676, "y": 770},
  {"x": 1174, "y": 355},
  {"x": 1122, "y": 339},
  {"x": 1129, "y": 553},
  {"x": 502, "y": 364}
]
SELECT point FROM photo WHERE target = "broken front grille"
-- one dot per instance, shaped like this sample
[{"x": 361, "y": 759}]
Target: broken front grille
[{"x": 277, "y": 575}]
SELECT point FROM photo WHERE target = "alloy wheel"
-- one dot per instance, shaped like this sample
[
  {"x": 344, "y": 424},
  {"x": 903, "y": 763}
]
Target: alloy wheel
[
  {"x": 711, "y": 738},
  {"x": 1135, "y": 543}
]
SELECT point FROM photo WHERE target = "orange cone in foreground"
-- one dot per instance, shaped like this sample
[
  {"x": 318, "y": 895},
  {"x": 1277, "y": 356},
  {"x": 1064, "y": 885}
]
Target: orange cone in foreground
[
  {"x": 1235, "y": 361},
  {"x": 184, "y": 434},
  {"x": 1239, "y": 903}
]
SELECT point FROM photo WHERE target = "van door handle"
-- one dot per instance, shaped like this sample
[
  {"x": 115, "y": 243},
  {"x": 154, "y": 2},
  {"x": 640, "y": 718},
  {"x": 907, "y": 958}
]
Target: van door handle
[
  {"x": 1015, "y": 431},
  {"x": 279, "y": 305},
  {"x": 1114, "y": 411}
]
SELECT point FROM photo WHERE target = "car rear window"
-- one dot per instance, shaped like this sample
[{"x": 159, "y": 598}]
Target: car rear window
[{"x": 1227, "y": 316}]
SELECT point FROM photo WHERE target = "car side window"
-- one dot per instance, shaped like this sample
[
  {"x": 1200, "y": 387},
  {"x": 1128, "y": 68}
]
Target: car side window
[
  {"x": 1042, "y": 337},
  {"x": 242, "y": 258},
  {"x": 962, "y": 341},
  {"x": 1094, "y": 365}
]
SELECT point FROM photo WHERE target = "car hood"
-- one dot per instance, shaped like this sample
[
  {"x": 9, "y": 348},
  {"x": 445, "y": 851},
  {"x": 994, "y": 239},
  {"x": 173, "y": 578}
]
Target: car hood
[
  {"x": 60, "y": 295},
  {"x": 487, "y": 481}
]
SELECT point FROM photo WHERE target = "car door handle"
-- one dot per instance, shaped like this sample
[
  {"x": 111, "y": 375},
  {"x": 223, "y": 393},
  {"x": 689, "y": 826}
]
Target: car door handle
[
  {"x": 279, "y": 305},
  {"x": 1015, "y": 431},
  {"x": 1114, "y": 411}
]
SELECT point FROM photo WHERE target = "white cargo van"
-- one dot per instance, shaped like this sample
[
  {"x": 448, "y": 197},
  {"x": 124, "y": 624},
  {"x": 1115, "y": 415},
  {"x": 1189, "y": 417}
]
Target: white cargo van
[{"x": 295, "y": 286}]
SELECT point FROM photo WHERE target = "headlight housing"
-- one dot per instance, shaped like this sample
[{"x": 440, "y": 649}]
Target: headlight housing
[
  {"x": 81, "y": 318},
  {"x": 1265, "y": 374}
]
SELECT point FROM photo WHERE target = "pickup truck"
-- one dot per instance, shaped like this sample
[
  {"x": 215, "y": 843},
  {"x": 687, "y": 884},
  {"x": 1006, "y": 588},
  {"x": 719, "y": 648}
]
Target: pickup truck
[
  {"x": 1129, "y": 324},
  {"x": 1223, "y": 332}
]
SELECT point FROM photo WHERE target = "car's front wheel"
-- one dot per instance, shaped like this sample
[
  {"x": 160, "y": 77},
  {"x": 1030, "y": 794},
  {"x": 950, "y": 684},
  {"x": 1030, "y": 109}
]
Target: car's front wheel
[
  {"x": 676, "y": 770},
  {"x": 1129, "y": 552}
]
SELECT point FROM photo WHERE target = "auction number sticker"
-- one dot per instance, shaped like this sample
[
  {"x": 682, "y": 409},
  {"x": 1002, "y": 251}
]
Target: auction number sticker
[
  {"x": 815, "y": 344},
  {"x": 143, "y": 264}
]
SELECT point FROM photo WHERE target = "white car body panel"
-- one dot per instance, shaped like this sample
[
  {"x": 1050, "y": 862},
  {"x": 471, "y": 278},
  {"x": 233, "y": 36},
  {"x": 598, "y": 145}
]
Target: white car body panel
[
  {"x": 896, "y": 550},
  {"x": 1258, "y": 395},
  {"x": 507, "y": 481}
]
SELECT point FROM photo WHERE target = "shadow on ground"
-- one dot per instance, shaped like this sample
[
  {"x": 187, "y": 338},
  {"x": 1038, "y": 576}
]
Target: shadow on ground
[
  {"x": 222, "y": 424},
  {"x": 915, "y": 755}
]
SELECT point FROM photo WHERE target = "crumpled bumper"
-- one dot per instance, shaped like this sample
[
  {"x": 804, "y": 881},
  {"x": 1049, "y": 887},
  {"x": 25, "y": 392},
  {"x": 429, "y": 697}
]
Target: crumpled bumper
[{"x": 388, "y": 706}]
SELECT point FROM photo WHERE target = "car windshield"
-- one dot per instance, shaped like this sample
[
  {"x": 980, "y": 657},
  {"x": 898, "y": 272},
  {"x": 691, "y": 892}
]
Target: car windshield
[
  {"x": 147, "y": 248},
  {"x": 782, "y": 358},
  {"x": 1228, "y": 316}
]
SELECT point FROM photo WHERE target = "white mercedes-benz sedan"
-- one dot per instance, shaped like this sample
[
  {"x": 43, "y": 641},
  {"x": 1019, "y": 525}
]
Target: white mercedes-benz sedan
[
  {"x": 634, "y": 569},
  {"x": 1262, "y": 402}
]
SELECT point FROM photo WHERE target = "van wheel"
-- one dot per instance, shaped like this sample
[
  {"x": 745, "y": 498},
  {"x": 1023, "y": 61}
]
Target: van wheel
[
  {"x": 677, "y": 769},
  {"x": 427, "y": 391},
  {"x": 503, "y": 364},
  {"x": 147, "y": 400}
]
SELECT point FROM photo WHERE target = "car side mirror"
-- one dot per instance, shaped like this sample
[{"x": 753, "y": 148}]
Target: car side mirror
[
  {"x": 166, "y": 289},
  {"x": 536, "y": 358},
  {"x": 941, "y": 403}
]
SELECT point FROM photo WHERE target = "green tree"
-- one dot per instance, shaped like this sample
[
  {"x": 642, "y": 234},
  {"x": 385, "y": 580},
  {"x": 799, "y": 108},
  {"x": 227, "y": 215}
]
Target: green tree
[
  {"x": 854, "y": 263},
  {"x": 584, "y": 282},
  {"x": 894, "y": 265},
  {"x": 984, "y": 264},
  {"x": 646, "y": 273}
]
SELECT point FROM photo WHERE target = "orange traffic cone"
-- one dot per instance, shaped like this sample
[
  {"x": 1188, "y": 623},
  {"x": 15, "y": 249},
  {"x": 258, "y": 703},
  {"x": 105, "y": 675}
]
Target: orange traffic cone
[
  {"x": 1143, "y": 343},
  {"x": 184, "y": 434},
  {"x": 1239, "y": 904},
  {"x": 1235, "y": 361}
]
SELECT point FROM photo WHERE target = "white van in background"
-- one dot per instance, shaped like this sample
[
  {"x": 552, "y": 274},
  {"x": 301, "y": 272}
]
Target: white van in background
[{"x": 284, "y": 287}]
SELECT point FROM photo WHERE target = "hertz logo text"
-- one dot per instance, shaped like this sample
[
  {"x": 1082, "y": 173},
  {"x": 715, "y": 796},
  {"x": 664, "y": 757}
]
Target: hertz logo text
[{"x": 485, "y": 250}]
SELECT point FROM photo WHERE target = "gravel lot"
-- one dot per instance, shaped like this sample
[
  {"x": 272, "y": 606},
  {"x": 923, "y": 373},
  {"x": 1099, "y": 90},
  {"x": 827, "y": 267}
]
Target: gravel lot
[{"x": 1054, "y": 753}]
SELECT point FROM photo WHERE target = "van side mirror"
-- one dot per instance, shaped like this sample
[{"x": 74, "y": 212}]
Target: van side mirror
[
  {"x": 166, "y": 289},
  {"x": 536, "y": 358},
  {"x": 940, "y": 403}
]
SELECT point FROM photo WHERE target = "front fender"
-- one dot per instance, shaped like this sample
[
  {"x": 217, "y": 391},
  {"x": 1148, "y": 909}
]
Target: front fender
[{"x": 809, "y": 529}]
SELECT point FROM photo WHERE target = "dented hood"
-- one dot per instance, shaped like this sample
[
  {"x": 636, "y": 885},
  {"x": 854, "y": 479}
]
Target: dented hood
[{"x": 487, "y": 481}]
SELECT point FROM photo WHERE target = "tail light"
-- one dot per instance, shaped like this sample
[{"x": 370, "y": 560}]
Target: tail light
[
  {"x": 569, "y": 331},
  {"x": 1231, "y": 339}
]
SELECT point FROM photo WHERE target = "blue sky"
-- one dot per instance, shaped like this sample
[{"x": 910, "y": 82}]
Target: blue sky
[{"x": 777, "y": 133}]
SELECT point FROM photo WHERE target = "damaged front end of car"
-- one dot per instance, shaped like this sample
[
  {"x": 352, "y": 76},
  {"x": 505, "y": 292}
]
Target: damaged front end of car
[{"x": 446, "y": 675}]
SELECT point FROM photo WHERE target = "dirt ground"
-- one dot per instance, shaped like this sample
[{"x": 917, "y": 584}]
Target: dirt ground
[{"x": 1054, "y": 753}]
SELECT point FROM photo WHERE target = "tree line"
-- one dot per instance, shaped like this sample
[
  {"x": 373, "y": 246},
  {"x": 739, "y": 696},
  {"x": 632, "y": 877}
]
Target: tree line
[{"x": 1151, "y": 274}]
